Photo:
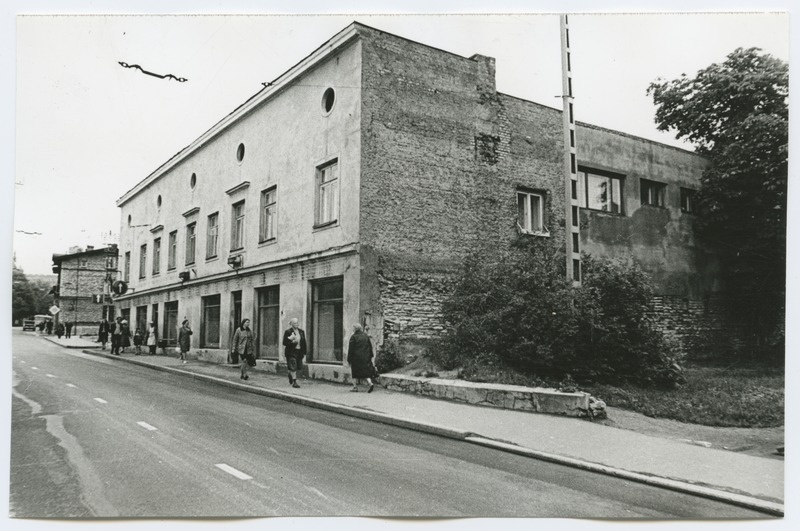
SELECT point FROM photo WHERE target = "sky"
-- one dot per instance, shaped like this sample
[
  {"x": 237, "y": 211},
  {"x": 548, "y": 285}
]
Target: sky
[
  {"x": 87, "y": 129},
  {"x": 77, "y": 130}
]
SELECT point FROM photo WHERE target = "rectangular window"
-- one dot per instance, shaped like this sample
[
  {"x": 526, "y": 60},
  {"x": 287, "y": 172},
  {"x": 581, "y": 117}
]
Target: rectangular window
[
  {"x": 209, "y": 326},
  {"x": 170, "y": 330},
  {"x": 269, "y": 214},
  {"x": 212, "y": 235},
  {"x": 269, "y": 324},
  {"x": 127, "y": 271},
  {"x": 652, "y": 193},
  {"x": 688, "y": 200},
  {"x": 327, "y": 317},
  {"x": 141, "y": 319},
  {"x": 173, "y": 249},
  {"x": 190, "y": 237},
  {"x": 143, "y": 261},
  {"x": 237, "y": 228},
  {"x": 530, "y": 212},
  {"x": 327, "y": 196},
  {"x": 156, "y": 256},
  {"x": 600, "y": 191}
]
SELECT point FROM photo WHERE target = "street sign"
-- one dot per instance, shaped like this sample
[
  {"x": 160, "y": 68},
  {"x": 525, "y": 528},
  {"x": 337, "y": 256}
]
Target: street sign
[{"x": 54, "y": 309}]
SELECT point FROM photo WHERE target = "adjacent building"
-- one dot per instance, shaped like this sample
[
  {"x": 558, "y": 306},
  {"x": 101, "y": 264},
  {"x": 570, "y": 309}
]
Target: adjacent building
[
  {"x": 350, "y": 190},
  {"x": 82, "y": 291}
]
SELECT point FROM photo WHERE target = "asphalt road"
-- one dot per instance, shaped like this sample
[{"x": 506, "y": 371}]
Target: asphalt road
[{"x": 93, "y": 437}]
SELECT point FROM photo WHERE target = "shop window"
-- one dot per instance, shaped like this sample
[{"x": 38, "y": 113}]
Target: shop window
[
  {"x": 269, "y": 325},
  {"x": 209, "y": 326},
  {"x": 327, "y": 320}
]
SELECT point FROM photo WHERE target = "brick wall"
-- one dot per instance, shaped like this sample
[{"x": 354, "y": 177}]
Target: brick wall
[{"x": 81, "y": 277}]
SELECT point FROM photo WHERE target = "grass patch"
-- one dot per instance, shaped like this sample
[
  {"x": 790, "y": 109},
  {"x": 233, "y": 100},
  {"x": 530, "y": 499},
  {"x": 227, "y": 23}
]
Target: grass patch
[{"x": 746, "y": 397}]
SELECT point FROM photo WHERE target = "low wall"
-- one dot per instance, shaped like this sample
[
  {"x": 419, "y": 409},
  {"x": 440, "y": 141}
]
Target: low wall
[{"x": 536, "y": 400}]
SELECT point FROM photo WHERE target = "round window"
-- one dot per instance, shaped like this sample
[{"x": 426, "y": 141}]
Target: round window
[
  {"x": 193, "y": 181},
  {"x": 328, "y": 99},
  {"x": 158, "y": 201},
  {"x": 240, "y": 152}
]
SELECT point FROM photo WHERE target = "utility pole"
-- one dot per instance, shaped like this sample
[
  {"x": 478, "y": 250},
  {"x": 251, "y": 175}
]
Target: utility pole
[{"x": 571, "y": 215}]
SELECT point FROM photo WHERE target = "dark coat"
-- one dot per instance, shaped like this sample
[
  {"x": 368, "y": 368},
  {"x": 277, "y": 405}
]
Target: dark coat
[
  {"x": 184, "y": 338},
  {"x": 289, "y": 345},
  {"x": 126, "y": 335},
  {"x": 359, "y": 355},
  {"x": 102, "y": 333}
]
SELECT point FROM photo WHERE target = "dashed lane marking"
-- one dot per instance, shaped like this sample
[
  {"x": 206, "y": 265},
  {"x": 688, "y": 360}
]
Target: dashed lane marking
[
  {"x": 72, "y": 385},
  {"x": 101, "y": 400},
  {"x": 50, "y": 375},
  {"x": 232, "y": 471},
  {"x": 146, "y": 426},
  {"x": 34, "y": 368}
]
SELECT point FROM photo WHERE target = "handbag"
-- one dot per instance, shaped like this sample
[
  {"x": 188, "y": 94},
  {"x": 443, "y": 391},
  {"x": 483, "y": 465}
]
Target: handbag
[{"x": 251, "y": 360}]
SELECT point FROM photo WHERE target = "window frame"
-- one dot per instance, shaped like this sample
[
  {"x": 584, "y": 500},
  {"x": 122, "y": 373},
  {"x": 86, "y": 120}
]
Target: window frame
[
  {"x": 143, "y": 261},
  {"x": 172, "y": 251},
  {"x": 127, "y": 271},
  {"x": 656, "y": 193},
  {"x": 156, "y": 256},
  {"x": 206, "y": 304},
  {"x": 212, "y": 240},
  {"x": 529, "y": 194},
  {"x": 191, "y": 243},
  {"x": 324, "y": 189},
  {"x": 688, "y": 200},
  {"x": 583, "y": 189},
  {"x": 267, "y": 229},
  {"x": 237, "y": 225}
]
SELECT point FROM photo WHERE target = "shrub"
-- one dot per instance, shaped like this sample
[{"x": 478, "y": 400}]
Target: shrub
[
  {"x": 389, "y": 357},
  {"x": 516, "y": 306}
]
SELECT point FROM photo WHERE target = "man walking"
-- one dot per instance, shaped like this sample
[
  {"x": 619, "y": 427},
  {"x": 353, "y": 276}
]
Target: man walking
[
  {"x": 294, "y": 342},
  {"x": 116, "y": 335},
  {"x": 69, "y": 329}
]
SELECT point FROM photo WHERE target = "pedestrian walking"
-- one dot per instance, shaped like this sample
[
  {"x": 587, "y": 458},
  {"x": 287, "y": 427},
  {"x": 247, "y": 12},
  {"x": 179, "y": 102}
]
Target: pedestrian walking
[
  {"x": 102, "y": 333},
  {"x": 138, "y": 336},
  {"x": 184, "y": 339},
  {"x": 49, "y": 326},
  {"x": 69, "y": 330},
  {"x": 359, "y": 356},
  {"x": 116, "y": 335},
  {"x": 60, "y": 330},
  {"x": 126, "y": 335},
  {"x": 294, "y": 342},
  {"x": 243, "y": 347},
  {"x": 151, "y": 338}
]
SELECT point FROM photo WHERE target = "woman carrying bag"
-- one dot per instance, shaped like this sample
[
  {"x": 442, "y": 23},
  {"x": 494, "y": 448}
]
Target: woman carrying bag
[{"x": 243, "y": 346}]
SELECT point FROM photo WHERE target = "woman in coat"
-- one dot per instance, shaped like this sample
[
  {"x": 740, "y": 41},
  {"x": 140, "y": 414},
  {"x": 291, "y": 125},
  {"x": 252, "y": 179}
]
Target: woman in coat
[
  {"x": 243, "y": 347},
  {"x": 184, "y": 339},
  {"x": 126, "y": 335},
  {"x": 102, "y": 333},
  {"x": 359, "y": 356}
]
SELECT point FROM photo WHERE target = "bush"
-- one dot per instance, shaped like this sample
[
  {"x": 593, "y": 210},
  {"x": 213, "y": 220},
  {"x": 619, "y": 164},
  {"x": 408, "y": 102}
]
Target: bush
[
  {"x": 389, "y": 357},
  {"x": 516, "y": 306}
]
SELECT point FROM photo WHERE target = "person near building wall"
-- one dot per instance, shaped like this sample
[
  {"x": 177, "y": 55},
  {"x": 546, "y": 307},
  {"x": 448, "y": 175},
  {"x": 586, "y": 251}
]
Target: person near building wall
[
  {"x": 294, "y": 343},
  {"x": 243, "y": 346},
  {"x": 151, "y": 338},
  {"x": 102, "y": 333},
  {"x": 184, "y": 339},
  {"x": 359, "y": 356},
  {"x": 69, "y": 330}
]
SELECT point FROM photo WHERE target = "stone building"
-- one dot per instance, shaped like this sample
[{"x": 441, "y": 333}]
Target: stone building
[
  {"x": 351, "y": 189},
  {"x": 82, "y": 290}
]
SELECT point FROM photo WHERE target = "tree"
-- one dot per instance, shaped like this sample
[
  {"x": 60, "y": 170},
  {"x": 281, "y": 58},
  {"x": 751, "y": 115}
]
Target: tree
[
  {"x": 736, "y": 113},
  {"x": 23, "y": 299}
]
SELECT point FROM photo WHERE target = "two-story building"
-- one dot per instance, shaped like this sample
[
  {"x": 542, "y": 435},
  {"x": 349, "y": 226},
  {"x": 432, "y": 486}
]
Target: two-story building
[
  {"x": 351, "y": 188},
  {"x": 83, "y": 288}
]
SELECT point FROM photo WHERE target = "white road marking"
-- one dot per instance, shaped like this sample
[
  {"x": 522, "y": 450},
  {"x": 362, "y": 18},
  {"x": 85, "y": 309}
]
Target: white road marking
[
  {"x": 274, "y": 450},
  {"x": 232, "y": 471},
  {"x": 315, "y": 491},
  {"x": 35, "y": 368},
  {"x": 101, "y": 400},
  {"x": 50, "y": 375},
  {"x": 146, "y": 426},
  {"x": 23, "y": 361},
  {"x": 72, "y": 385}
]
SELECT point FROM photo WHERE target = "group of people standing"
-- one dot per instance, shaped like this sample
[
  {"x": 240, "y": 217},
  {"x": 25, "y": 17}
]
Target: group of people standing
[{"x": 121, "y": 337}]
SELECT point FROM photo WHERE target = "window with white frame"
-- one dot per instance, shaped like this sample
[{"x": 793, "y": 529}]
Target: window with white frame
[
  {"x": 190, "y": 241},
  {"x": 653, "y": 193},
  {"x": 143, "y": 261},
  {"x": 530, "y": 212},
  {"x": 172, "y": 252},
  {"x": 269, "y": 214},
  {"x": 212, "y": 235},
  {"x": 327, "y": 196},
  {"x": 156, "y": 256},
  {"x": 237, "y": 226},
  {"x": 600, "y": 191}
]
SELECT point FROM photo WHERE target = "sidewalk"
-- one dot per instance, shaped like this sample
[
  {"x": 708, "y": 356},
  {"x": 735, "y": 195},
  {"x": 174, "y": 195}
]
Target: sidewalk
[{"x": 745, "y": 480}]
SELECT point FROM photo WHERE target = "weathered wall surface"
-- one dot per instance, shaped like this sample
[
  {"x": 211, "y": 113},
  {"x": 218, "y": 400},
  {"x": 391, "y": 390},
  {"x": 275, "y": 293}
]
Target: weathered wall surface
[{"x": 82, "y": 276}]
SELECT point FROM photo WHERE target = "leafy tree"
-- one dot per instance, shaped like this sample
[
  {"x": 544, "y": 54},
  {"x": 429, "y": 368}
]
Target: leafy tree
[
  {"x": 736, "y": 113},
  {"x": 23, "y": 298}
]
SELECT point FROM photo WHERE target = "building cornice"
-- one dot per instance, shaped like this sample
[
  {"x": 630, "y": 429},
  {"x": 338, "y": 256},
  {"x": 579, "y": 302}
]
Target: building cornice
[
  {"x": 271, "y": 90},
  {"x": 157, "y": 228},
  {"x": 191, "y": 212},
  {"x": 345, "y": 249},
  {"x": 239, "y": 187}
]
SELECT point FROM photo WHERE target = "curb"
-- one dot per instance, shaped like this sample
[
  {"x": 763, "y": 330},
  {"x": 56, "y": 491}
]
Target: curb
[{"x": 741, "y": 500}]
